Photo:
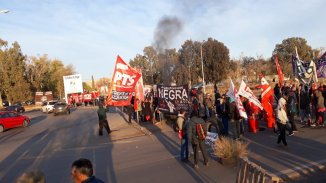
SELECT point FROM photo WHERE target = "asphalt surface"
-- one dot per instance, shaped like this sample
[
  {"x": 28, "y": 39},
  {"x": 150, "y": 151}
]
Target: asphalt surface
[
  {"x": 146, "y": 152},
  {"x": 303, "y": 160},
  {"x": 131, "y": 153}
]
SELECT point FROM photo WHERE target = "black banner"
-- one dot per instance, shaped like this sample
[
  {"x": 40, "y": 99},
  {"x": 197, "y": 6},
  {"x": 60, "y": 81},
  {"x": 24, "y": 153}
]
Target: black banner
[{"x": 173, "y": 98}]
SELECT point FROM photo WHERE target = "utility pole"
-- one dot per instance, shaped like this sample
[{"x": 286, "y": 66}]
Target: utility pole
[{"x": 202, "y": 66}]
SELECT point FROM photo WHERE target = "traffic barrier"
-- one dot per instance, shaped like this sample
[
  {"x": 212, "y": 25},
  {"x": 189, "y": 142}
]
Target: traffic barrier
[{"x": 249, "y": 172}]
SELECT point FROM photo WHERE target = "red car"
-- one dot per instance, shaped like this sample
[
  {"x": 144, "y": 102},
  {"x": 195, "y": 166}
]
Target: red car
[{"x": 10, "y": 119}]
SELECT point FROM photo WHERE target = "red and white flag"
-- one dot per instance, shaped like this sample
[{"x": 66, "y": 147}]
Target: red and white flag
[
  {"x": 245, "y": 91},
  {"x": 123, "y": 83},
  {"x": 233, "y": 94}
]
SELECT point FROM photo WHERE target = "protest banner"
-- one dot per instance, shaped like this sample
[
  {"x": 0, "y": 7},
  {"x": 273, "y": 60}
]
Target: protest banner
[
  {"x": 123, "y": 84},
  {"x": 173, "y": 98}
]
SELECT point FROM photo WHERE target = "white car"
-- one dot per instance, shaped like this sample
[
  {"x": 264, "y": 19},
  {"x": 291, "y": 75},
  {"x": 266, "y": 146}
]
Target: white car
[{"x": 48, "y": 106}]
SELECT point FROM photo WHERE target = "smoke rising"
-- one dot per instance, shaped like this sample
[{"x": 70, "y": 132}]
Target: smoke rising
[{"x": 166, "y": 31}]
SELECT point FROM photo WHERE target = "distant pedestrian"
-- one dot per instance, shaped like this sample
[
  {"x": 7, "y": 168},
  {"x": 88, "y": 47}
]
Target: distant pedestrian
[
  {"x": 305, "y": 106},
  {"x": 292, "y": 108},
  {"x": 34, "y": 176},
  {"x": 102, "y": 120},
  {"x": 320, "y": 108},
  {"x": 282, "y": 119},
  {"x": 208, "y": 103},
  {"x": 82, "y": 172},
  {"x": 196, "y": 139},
  {"x": 182, "y": 126}
]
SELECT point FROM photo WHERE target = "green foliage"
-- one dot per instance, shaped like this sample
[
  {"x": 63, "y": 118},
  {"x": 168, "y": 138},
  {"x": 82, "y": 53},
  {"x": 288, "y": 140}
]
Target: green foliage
[
  {"x": 286, "y": 49},
  {"x": 21, "y": 77},
  {"x": 13, "y": 81},
  {"x": 87, "y": 87}
]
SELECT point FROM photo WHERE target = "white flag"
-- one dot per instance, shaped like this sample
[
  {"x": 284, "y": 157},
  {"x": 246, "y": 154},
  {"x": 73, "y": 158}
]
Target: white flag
[
  {"x": 245, "y": 91},
  {"x": 232, "y": 93}
]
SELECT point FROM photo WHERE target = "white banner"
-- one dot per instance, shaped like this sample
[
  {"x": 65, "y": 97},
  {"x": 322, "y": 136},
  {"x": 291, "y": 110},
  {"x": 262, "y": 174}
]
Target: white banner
[
  {"x": 233, "y": 93},
  {"x": 211, "y": 138},
  {"x": 73, "y": 84},
  {"x": 245, "y": 91}
]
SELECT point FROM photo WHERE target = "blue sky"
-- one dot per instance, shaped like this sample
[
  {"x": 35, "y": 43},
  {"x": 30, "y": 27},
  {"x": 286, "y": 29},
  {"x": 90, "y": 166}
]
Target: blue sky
[{"x": 89, "y": 34}]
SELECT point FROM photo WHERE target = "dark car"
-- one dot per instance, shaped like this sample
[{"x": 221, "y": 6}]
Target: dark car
[
  {"x": 16, "y": 108},
  {"x": 10, "y": 119},
  {"x": 61, "y": 108}
]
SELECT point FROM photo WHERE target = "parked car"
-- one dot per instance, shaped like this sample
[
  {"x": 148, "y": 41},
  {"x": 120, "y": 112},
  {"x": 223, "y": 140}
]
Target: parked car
[
  {"x": 10, "y": 119},
  {"x": 48, "y": 106},
  {"x": 16, "y": 108},
  {"x": 30, "y": 102},
  {"x": 61, "y": 108}
]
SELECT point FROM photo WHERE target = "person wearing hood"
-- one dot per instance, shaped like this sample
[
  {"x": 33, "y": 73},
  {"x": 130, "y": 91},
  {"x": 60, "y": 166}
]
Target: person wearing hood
[
  {"x": 282, "y": 119},
  {"x": 102, "y": 120},
  {"x": 184, "y": 152},
  {"x": 197, "y": 142}
]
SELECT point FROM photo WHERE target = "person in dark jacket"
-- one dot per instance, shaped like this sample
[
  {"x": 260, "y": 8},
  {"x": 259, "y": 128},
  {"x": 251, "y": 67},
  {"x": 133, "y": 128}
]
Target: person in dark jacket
[
  {"x": 234, "y": 118},
  {"x": 292, "y": 108},
  {"x": 194, "y": 139},
  {"x": 82, "y": 172},
  {"x": 224, "y": 110},
  {"x": 320, "y": 108},
  {"x": 102, "y": 121},
  {"x": 305, "y": 106}
]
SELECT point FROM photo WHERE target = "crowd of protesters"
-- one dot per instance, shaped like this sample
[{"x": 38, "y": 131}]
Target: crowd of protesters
[{"x": 292, "y": 104}]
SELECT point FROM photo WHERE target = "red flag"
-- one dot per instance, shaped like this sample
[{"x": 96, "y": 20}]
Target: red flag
[
  {"x": 123, "y": 84},
  {"x": 139, "y": 89},
  {"x": 279, "y": 71}
]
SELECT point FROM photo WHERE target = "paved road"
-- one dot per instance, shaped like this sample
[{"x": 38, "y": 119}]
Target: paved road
[
  {"x": 129, "y": 154},
  {"x": 303, "y": 160}
]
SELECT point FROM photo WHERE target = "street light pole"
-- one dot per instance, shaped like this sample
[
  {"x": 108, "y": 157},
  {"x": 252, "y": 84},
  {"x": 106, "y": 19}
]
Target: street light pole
[{"x": 202, "y": 66}]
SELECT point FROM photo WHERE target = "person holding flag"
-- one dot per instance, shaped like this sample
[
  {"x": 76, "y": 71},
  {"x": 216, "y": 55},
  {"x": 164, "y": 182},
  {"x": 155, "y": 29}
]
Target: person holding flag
[{"x": 236, "y": 110}]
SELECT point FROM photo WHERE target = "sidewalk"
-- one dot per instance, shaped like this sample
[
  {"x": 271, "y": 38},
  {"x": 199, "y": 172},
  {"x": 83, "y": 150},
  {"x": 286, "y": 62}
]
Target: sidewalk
[{"x": 162, "y": 131}]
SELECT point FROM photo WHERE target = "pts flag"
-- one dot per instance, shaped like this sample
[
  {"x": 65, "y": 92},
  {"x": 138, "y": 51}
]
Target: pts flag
[{"x": 123, "y": 84}]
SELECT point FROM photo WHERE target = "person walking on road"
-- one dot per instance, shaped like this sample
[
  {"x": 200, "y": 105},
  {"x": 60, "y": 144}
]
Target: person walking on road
[
  {"x": 195, "y": 138},
  {"x": 183, "y": 135},
  {"x": 282, "y": 119},
  {"x": 102, "y": 121},
  {"x": 82, "y": 172}
]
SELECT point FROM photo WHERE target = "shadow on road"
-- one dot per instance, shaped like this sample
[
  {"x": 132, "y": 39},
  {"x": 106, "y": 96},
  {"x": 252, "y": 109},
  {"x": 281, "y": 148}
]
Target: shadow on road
[
  {"x": 302, "y": 156},
  {"x": 55, "y": 149},
  {"x": 173, "y": 148},
  {"x": 37, "y": 119}
]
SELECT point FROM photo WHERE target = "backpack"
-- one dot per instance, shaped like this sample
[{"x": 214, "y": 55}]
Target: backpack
[{"x": 200, "y": 132}]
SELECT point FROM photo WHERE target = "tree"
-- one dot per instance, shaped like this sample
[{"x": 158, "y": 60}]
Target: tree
[
  {"x": 286, "y": 49},
  {"x": 187, "y": 73},
  {"x": 87, "y": 87},
  {"x": 216, "y": 60},
  {"x": 45, "y": 74},
  {"x": 14, "y": 83},
  {"x": 152, "y": 58},
  {"x": 140, "y": 62}
]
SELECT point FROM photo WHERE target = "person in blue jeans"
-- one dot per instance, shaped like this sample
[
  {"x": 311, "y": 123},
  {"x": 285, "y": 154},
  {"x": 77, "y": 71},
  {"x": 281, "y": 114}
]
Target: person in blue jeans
[{"x": 183, "y": 135}]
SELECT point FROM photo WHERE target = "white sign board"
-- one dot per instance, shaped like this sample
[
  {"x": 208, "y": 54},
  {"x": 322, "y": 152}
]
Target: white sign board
[
  {"x": 73, "y": 84},
  {"x": 211, "y": 138}
]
